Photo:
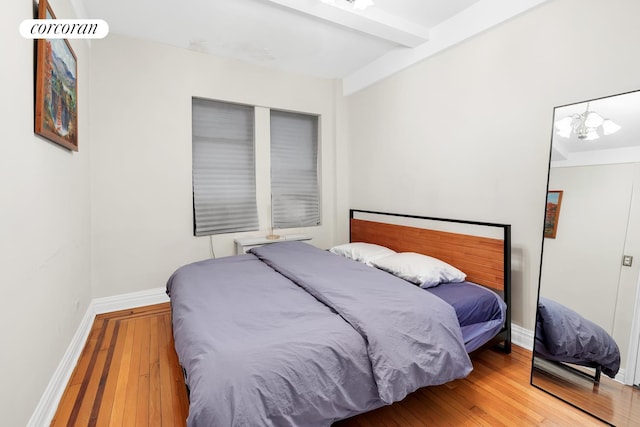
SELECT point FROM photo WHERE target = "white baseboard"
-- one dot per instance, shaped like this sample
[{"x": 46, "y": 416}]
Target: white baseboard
[
  {"x": 46, "y": 408},
  {"x": 130, "y": 300},
  {"x": 522, "y": 337},
  {"x": 48, "y": 403}
]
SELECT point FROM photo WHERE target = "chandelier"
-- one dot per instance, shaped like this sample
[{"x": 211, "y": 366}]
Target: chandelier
[
  {"x": 356, "y": 4},
  {"x": 586, "y": 126}
]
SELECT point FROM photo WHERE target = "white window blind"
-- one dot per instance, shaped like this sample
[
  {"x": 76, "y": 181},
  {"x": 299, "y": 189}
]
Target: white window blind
[
  {"x": 224, "y": 178},
  {"x": 294, "y": 170}
]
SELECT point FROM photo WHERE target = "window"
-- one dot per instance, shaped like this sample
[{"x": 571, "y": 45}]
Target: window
[
  {"x": 224, "y": 178},
  {"x": 294, "y": 170}
]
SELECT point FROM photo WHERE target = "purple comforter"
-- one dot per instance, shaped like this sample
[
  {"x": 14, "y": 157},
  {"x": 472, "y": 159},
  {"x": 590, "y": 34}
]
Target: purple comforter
[{"x": 293, "y": 335}]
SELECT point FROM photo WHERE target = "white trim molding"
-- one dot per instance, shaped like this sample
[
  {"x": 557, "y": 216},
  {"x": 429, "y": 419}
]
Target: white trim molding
[
  {"x": 50, "y": 399},
  {"x": 633, "y": 354},
  {"x": 130, "y": 300},
  {"x": 48, "y": 404},
  {"x": 522, "y": 337}
]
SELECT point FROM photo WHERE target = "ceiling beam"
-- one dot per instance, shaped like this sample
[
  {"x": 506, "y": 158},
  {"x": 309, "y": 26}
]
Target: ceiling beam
[
  {"x": 371, "y": 21},
  {"x": 477, "y": 18}
]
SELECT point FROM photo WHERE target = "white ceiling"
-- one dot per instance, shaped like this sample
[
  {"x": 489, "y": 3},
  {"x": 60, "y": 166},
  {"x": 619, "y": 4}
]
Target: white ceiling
[
  {"x": 620, "y": 147},
  {"x": 308, "y": 36}
]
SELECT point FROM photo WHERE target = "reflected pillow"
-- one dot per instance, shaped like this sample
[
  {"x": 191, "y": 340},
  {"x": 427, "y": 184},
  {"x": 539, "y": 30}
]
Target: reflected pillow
[
  {"x": 422, "y": 270},
  {"x": 362, "y": 252}
]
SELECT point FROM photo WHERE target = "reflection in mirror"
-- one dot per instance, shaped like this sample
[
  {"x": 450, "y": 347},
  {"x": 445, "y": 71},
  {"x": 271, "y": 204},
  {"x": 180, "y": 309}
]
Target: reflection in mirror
[{"x": 587, "y": 336}]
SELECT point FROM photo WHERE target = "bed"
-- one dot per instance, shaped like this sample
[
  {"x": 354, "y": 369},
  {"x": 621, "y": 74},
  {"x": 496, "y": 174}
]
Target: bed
[
  {"x": 566, "y": 338},
  {"x": 291, "y": 335},
  {"x": 481, "y": 249}
]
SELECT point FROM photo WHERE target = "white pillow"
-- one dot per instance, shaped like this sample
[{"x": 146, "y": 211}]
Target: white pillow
[
  {"x": 422, "y": 270},
  {"x": 362, "y": 252}
]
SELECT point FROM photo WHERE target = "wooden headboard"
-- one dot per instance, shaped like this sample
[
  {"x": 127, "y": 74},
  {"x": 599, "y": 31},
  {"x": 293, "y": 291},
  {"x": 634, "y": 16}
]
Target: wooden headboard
[
  {"x": 485, "y": 260},
  {"x": 481, "y": 258}
]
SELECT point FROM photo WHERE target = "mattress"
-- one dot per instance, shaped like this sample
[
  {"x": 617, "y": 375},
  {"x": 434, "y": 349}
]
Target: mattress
[{"x": 480, "y": 311}]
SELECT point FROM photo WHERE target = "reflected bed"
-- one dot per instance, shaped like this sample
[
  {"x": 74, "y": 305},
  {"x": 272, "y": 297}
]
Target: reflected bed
[{"x": 564, "y": 336}]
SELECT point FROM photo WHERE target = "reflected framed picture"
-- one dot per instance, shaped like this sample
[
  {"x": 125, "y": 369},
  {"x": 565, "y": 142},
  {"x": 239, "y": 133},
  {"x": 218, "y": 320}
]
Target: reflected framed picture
[
  {"x": 56, "y": 102},
  {"x": 552, "y": 213}
]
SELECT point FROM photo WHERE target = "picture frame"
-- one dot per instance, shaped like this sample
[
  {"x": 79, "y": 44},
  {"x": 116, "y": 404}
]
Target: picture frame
[
  {"x": 56, "y": 88},
  {"x": 552, "y": 213}
]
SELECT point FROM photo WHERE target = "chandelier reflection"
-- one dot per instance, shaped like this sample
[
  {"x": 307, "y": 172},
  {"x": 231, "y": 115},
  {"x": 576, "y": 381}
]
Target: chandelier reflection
[{"x": 586, "y": 126}]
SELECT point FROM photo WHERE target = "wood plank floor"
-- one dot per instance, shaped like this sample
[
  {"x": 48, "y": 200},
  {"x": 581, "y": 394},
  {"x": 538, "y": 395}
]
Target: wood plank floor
[{"x": 128, "y": 375}]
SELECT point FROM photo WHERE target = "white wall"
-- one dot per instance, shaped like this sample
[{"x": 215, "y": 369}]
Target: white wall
[
  {"x": 45, "y": 226},
  {"x": 466, "y": 133},
  {"x": 141, "y": 158}
]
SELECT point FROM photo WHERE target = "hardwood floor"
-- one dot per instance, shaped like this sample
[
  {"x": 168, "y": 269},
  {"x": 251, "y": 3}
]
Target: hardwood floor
[{"x": 128, "y": 374}]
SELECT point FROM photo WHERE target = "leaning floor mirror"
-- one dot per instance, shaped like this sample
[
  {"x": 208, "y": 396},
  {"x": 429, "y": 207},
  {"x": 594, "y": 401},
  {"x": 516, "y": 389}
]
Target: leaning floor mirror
[{"x": 587, "y": 336}]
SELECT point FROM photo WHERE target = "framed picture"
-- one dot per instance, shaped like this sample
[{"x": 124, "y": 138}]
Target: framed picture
[
  {"x": 56, "y": 103},
  {"x": 552, "y": 213}
]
